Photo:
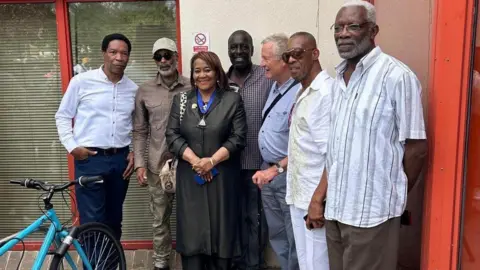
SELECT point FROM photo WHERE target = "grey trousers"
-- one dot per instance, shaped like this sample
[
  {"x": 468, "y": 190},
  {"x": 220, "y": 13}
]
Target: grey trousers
[
  {"x": 280, "y": 230},
  {"x": 354, "y": 248}
]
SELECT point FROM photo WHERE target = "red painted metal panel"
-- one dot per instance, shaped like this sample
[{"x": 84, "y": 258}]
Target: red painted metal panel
[
  {"x": 179, "y": 34},
  {"x": 449, "y": 69},
  {"x": 66, "y": 64}
]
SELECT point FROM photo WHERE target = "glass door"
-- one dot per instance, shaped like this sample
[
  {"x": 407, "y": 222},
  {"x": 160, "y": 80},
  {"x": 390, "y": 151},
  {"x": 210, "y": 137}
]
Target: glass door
[{"x": 30, "y": 88}]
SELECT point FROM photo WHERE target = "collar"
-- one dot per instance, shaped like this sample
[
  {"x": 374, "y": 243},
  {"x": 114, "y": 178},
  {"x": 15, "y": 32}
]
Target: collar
[
  {"x": 366, "y": 61},
  {"x": 252, "y": 70},
  {"x": 103, "y": 76},
  {"x": 282, "y": 88},
  {"x": 317, "y": 82},
  {"x": 314, "y": 86},
  {"x": 181, "y": 80}
]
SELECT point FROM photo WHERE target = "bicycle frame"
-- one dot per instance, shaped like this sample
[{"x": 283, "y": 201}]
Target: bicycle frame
[{"x": 54, "y": 234}]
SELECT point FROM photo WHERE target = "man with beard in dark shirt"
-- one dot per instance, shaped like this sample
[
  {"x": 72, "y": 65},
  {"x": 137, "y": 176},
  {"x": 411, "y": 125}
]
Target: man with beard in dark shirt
[{"x": 250, "y": 82}]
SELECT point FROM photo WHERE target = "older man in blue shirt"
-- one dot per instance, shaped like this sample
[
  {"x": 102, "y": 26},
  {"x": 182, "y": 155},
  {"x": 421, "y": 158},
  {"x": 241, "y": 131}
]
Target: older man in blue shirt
[{"x": 273, "y": 142}]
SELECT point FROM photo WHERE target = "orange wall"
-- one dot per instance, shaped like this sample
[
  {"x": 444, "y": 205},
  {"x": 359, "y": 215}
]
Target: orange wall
[{"x": 405, "y": 34}]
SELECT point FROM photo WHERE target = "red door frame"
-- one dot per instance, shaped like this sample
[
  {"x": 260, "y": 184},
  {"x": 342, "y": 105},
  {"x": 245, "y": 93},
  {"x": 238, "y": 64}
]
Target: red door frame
[
  {"x": 447, "y": 118},
  {"x": 65, "y": 61}
]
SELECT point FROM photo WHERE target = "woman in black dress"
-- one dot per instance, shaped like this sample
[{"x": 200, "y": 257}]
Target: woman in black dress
[{"x": 207, "y": 137}]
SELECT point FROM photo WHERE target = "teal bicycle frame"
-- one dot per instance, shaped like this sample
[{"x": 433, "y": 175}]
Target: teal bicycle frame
[{"x": 55, "y": 235}]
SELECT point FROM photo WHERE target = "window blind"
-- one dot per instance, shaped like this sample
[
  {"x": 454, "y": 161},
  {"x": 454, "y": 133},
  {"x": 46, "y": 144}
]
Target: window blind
[{"x": 142, "y": 23}]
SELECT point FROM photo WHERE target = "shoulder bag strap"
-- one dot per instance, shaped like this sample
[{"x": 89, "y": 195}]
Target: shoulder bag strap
[
  {"x": 183, "y": 104},
  {"x": 275, "y": 101}
]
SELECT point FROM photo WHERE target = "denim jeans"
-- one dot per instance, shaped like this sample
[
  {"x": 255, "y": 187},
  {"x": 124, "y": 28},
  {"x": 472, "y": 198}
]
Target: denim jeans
[{"x": 103, "y": 202}]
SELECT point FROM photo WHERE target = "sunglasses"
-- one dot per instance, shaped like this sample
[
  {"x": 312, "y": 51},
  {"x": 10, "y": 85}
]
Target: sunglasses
[
  {"x": 295, "y": 53},
  {"x": 166, "y": 55}
]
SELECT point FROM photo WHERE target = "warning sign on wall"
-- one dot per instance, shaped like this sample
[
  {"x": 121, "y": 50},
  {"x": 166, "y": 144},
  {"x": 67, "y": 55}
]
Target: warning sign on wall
[{"x": 201, "y": 42}]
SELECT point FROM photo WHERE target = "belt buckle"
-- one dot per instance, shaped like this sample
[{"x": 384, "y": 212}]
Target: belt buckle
[{"x": 109, "y": 151}]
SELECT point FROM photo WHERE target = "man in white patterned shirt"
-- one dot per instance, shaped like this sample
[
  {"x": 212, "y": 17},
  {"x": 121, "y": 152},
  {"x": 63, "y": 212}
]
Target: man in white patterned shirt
[
  {"x": 376, "y": 147},
  {"x": 307, "y": 147}
]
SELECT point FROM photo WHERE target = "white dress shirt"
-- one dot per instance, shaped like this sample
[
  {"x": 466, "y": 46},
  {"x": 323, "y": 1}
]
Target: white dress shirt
[
  {"x": 102, "y": 111},
  {"x": 307, "y": 144},
  {"x": 371, "y": 118}
]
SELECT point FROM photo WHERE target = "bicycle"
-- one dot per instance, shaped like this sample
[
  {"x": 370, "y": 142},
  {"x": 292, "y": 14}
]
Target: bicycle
[{"x": 64, "y": 238}]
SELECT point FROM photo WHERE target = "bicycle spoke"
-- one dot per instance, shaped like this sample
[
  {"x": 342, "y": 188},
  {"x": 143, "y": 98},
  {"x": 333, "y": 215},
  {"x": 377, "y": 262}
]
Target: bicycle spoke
[
  {"x": 102, "y": 250},
  {"x": 102, "y": 253}
]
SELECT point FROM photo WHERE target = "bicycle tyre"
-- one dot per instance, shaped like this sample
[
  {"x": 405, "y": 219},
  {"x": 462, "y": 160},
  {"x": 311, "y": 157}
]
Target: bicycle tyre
[{"x": 57, "y": 260}]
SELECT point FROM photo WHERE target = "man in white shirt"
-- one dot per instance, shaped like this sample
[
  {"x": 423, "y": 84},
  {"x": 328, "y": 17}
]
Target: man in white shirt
[
  {"x": 376, "y": 148},
  {"x": 101, "y": 103},
  {"x": 307, "y": 147}
]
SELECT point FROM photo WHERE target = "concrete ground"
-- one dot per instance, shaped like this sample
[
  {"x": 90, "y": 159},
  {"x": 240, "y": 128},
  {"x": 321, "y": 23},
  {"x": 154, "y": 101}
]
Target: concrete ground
[{"x": 136, "y": 260}]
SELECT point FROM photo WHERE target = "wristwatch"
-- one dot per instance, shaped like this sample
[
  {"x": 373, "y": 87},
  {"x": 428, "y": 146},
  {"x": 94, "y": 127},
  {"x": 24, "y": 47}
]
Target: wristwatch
[{"x": 279, "y": 168}]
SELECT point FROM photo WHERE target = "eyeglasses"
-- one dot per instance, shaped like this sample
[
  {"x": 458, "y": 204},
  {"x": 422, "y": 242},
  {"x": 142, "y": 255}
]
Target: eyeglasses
[
  {"x": 296, "y": 53},
  {"x": 167, "y": 55},
  {"x": 353, "y": 27}
]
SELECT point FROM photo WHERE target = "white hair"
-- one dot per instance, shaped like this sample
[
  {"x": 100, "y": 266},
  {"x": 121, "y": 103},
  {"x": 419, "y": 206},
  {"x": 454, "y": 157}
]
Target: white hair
[
  {"x": 371, "y": 11},
  {"x": 280, "y": 41}
]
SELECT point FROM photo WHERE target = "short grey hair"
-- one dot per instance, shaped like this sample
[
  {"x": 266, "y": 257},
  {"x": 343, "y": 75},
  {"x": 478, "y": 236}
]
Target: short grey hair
[
  {"x": 280, "y": 42},
  {"x": 371, "y": 11}
]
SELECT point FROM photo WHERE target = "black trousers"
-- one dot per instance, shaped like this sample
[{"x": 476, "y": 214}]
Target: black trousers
[
  {"x": 205, "y": 262},
  {"x": 252, "y": 238}
]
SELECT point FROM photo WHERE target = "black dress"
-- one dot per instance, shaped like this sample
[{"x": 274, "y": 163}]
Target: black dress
[{"x": 207, "y": 215}]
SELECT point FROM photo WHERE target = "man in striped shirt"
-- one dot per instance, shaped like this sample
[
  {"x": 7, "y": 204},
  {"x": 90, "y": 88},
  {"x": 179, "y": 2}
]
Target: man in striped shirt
[{"x": 376, "y": 148}]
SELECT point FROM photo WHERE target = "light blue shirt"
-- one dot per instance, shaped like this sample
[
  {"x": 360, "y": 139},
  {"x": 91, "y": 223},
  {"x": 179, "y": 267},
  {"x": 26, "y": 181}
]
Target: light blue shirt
[
  {"x": 273, "y": 136},
  {"x": 102, "y": 111}
]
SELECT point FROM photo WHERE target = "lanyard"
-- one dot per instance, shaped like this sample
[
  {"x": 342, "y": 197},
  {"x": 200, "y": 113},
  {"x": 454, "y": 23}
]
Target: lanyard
[{"x": 204, "y": 108}]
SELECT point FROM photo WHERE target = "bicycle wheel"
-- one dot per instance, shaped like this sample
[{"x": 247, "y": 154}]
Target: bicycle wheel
[{"x": 103, "y": 250}]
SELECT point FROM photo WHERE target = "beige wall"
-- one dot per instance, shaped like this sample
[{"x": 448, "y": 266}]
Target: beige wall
[
  {"x": 260, "y": 18},
  {"x": 405, "y": 33}
]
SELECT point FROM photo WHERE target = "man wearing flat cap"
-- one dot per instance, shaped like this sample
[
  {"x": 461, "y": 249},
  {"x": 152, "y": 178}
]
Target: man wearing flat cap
[{"x": 152, "y": 107}]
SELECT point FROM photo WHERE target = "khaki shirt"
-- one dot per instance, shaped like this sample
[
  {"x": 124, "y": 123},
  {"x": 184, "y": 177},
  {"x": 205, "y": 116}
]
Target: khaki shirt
[{"x": 152, "y": 108}]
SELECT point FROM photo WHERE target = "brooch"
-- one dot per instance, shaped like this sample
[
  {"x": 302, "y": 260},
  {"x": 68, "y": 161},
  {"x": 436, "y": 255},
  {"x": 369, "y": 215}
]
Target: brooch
[{"x": 194, "y": 106}]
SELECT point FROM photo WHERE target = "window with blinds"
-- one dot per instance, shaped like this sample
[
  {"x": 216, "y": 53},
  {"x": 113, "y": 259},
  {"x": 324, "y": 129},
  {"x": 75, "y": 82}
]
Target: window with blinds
[
  {"x": 143, "y": 23},
  {"x": 30, "y": 95}
]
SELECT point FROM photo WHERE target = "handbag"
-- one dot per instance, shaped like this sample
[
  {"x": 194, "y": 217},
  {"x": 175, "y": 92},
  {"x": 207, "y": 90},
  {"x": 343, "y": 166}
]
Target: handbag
[{"x": 168, "y": 179}]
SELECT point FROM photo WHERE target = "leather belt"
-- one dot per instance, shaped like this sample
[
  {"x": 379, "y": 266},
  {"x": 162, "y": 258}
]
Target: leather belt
[{"x": 109, "y": 151}]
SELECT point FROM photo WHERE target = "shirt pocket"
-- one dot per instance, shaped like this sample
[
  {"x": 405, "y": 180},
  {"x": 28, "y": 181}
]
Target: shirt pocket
[
  {"x": 157, "y": 111},
  {"x": 279, "y": 121},
  {"x": 372, "y": 111}
]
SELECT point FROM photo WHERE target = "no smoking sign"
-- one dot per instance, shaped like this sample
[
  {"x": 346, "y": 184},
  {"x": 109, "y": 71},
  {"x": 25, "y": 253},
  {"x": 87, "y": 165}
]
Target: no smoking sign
[{"x": 201, "y": 42}]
